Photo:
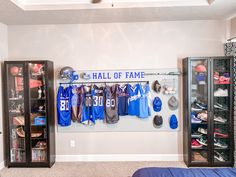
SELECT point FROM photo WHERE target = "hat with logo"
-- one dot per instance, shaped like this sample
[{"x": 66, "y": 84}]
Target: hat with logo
[
  {"x": 156, "y": 86},
  {"x": 157, "y": 104},
  {"x": 201, "y": 78},
  {"x": 173, "y": 103},
  {"x": 173, "y": 121},
  {"x": 200, "y": 69},
  {"x": 157, "y": 121}
]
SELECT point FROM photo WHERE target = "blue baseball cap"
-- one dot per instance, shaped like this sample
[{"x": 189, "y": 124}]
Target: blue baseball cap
[
  {"x": 157, "y": 104},
  {"x": 173, "y": 121}
]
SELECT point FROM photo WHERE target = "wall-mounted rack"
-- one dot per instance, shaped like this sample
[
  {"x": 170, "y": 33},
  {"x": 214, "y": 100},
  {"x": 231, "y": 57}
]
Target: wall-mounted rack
[
  {"x": 109, "y": 82},
  {"x": 168, "y": 73}
]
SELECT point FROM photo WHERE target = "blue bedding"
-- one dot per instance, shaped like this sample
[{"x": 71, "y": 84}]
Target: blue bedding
[{"x": 182, "y": 172}]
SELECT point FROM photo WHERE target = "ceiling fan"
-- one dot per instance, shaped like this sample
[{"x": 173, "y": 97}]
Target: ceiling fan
[{"x": 95, "y": 1}]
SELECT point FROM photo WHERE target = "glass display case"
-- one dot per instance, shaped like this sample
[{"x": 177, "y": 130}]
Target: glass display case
[
  {"x": 29, "y": 113},
  {"x": 208, "y": 111}
]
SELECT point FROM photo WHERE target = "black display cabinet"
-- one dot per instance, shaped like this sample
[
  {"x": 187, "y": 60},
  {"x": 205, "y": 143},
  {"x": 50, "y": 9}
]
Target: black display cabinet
[
  {"x": 208, "y": 111},
  {"x": 29, "y": 129}
]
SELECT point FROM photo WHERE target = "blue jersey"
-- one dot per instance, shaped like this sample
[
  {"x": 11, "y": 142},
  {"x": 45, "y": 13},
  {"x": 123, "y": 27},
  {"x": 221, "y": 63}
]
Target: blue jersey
[
  {"x": 123, "y": 100},
  {"x": 64, "y": 106},
  {"x": 144, "y": 101},
  {"x": 133, "y": 99},
  {"x": 98, "y": 109},
  {"x": 87, "y": 116}
]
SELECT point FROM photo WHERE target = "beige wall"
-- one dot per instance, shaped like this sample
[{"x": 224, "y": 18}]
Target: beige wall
[
  {"x": 233, "y": 27},
  {"x": 3, "y": 56},
  {"x": 118, "y": 46}
]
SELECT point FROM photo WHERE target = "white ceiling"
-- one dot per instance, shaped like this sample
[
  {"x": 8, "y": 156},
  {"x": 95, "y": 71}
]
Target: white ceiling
[{"x": 12, "y": 14}]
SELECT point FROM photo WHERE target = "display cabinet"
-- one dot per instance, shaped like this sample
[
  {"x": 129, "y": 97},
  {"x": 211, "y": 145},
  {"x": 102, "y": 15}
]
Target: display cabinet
[
  {"x": 29, "y": 113},
  {"x": 208, "y": 111}
]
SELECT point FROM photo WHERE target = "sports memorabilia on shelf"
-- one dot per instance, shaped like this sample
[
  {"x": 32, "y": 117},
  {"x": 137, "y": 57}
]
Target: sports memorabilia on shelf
[
  {"x": 208, "y": 111},
  {"x": 29, "y": 113}
]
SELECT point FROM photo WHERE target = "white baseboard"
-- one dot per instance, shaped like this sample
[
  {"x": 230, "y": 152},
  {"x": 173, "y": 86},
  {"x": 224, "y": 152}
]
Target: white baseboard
[
  {"x": 2, "y": 165},
  {"x": 119, "y": 157}
]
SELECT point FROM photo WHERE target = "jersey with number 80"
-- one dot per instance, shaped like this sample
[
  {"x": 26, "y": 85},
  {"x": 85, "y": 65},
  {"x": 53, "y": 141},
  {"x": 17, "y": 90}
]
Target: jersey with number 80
[{"x": 110, "y": 102}]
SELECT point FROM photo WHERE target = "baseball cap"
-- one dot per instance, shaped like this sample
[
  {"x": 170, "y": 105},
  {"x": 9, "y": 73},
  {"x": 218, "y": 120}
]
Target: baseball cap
[
  {"x": 200, "y": 68},
  {"x": 157, "y": 121},
  {"x": 156, "y": 86},
  {"x": 173, "y": 103},
  {"x": 173, "y": 121},
  {"x": 157, "y": 104},
  {"x": 201, "y": 78}
]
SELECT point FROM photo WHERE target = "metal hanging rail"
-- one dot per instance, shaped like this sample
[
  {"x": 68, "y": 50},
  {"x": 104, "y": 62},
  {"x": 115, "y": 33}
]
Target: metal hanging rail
[
  {"x": 111, "y": 82},
  {"x": 169, "y": 73}
]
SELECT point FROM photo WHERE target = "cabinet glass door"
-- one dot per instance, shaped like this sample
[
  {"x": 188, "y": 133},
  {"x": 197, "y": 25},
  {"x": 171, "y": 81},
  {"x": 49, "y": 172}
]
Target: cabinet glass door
[
  {"x": 38, "y": 114},
  {"x": 221, "y": 110},
  {"x": 15, "y": 96},
  {"x": 199, "y": 111}
]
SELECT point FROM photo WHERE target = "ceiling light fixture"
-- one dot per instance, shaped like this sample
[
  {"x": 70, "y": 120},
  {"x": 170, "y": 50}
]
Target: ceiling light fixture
[{"x": 91, "y": 4}]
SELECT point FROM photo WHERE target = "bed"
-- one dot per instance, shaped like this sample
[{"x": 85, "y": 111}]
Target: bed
[{"x": 185, "y": 172}]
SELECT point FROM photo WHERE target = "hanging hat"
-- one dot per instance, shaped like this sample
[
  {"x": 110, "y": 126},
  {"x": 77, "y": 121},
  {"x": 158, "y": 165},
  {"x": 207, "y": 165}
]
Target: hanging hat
[
  {"x": 157, "y": 121},
  {"x": 157, "y": 104},
  {"x": 173, "y": 121},
  {"x": 156, "y": 86},
  {"x": 173, "y": 103}
]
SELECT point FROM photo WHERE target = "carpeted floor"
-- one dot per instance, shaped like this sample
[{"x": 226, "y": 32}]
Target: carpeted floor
[{"x": 86, "y": 169}]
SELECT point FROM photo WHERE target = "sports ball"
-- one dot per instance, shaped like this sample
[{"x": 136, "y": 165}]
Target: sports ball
[
  {"x": 35, "y": 68},
  {"x": 14, "y": 70}
]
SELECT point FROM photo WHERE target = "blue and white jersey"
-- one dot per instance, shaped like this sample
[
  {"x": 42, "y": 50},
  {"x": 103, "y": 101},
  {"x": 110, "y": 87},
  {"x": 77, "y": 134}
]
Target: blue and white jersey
[
  {"x": 123, "y": 100},
  {"x": 98, "y": 108},
  {"x": 64, "y": 106},
  {"x": 144, "y": 101},
  {"x": 133, "y": 99}
]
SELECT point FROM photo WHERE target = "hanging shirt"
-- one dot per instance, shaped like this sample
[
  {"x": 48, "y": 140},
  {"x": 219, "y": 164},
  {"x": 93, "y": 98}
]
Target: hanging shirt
[
  {"x": 111, "y": 104},
  {"x": 81, "y": 97},
  {"x": 64, "y": 106},
  {"x": 74, "y": 103},
  {"x": 123, "y": 100},
  {"x": 133, "y": 99},
  {"x": 144, "y": 101},
  {"x": 98, "y": 109},
  {"x": 87, "y": 117}
]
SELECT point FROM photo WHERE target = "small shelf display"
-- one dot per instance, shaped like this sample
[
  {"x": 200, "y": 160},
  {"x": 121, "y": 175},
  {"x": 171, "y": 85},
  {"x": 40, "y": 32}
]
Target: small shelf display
[
  {"x": 208, "y": 129},
  {"x": 30, "y": 119}
]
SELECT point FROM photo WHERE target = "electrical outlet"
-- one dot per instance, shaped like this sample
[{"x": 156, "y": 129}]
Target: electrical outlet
[{"x": 72, "y": 143}]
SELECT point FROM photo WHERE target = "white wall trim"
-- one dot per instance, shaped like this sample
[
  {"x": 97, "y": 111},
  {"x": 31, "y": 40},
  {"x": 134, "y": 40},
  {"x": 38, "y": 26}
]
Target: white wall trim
[
  {"x": 119, "y": 157},
  {"x": 2, "y": 165}
]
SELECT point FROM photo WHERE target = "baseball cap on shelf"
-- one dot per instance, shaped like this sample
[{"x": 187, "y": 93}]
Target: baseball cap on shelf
[
  {"x": 157, "y": 104},
  {"x": 173, "y": 121},
  {"x": 200, "y": 69},
  {"x": 173, "y": 103},
  {"x": 201, "y": 78},
  {"x": 156, "y": 86},
  {"x": 157, "y": 121}
]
